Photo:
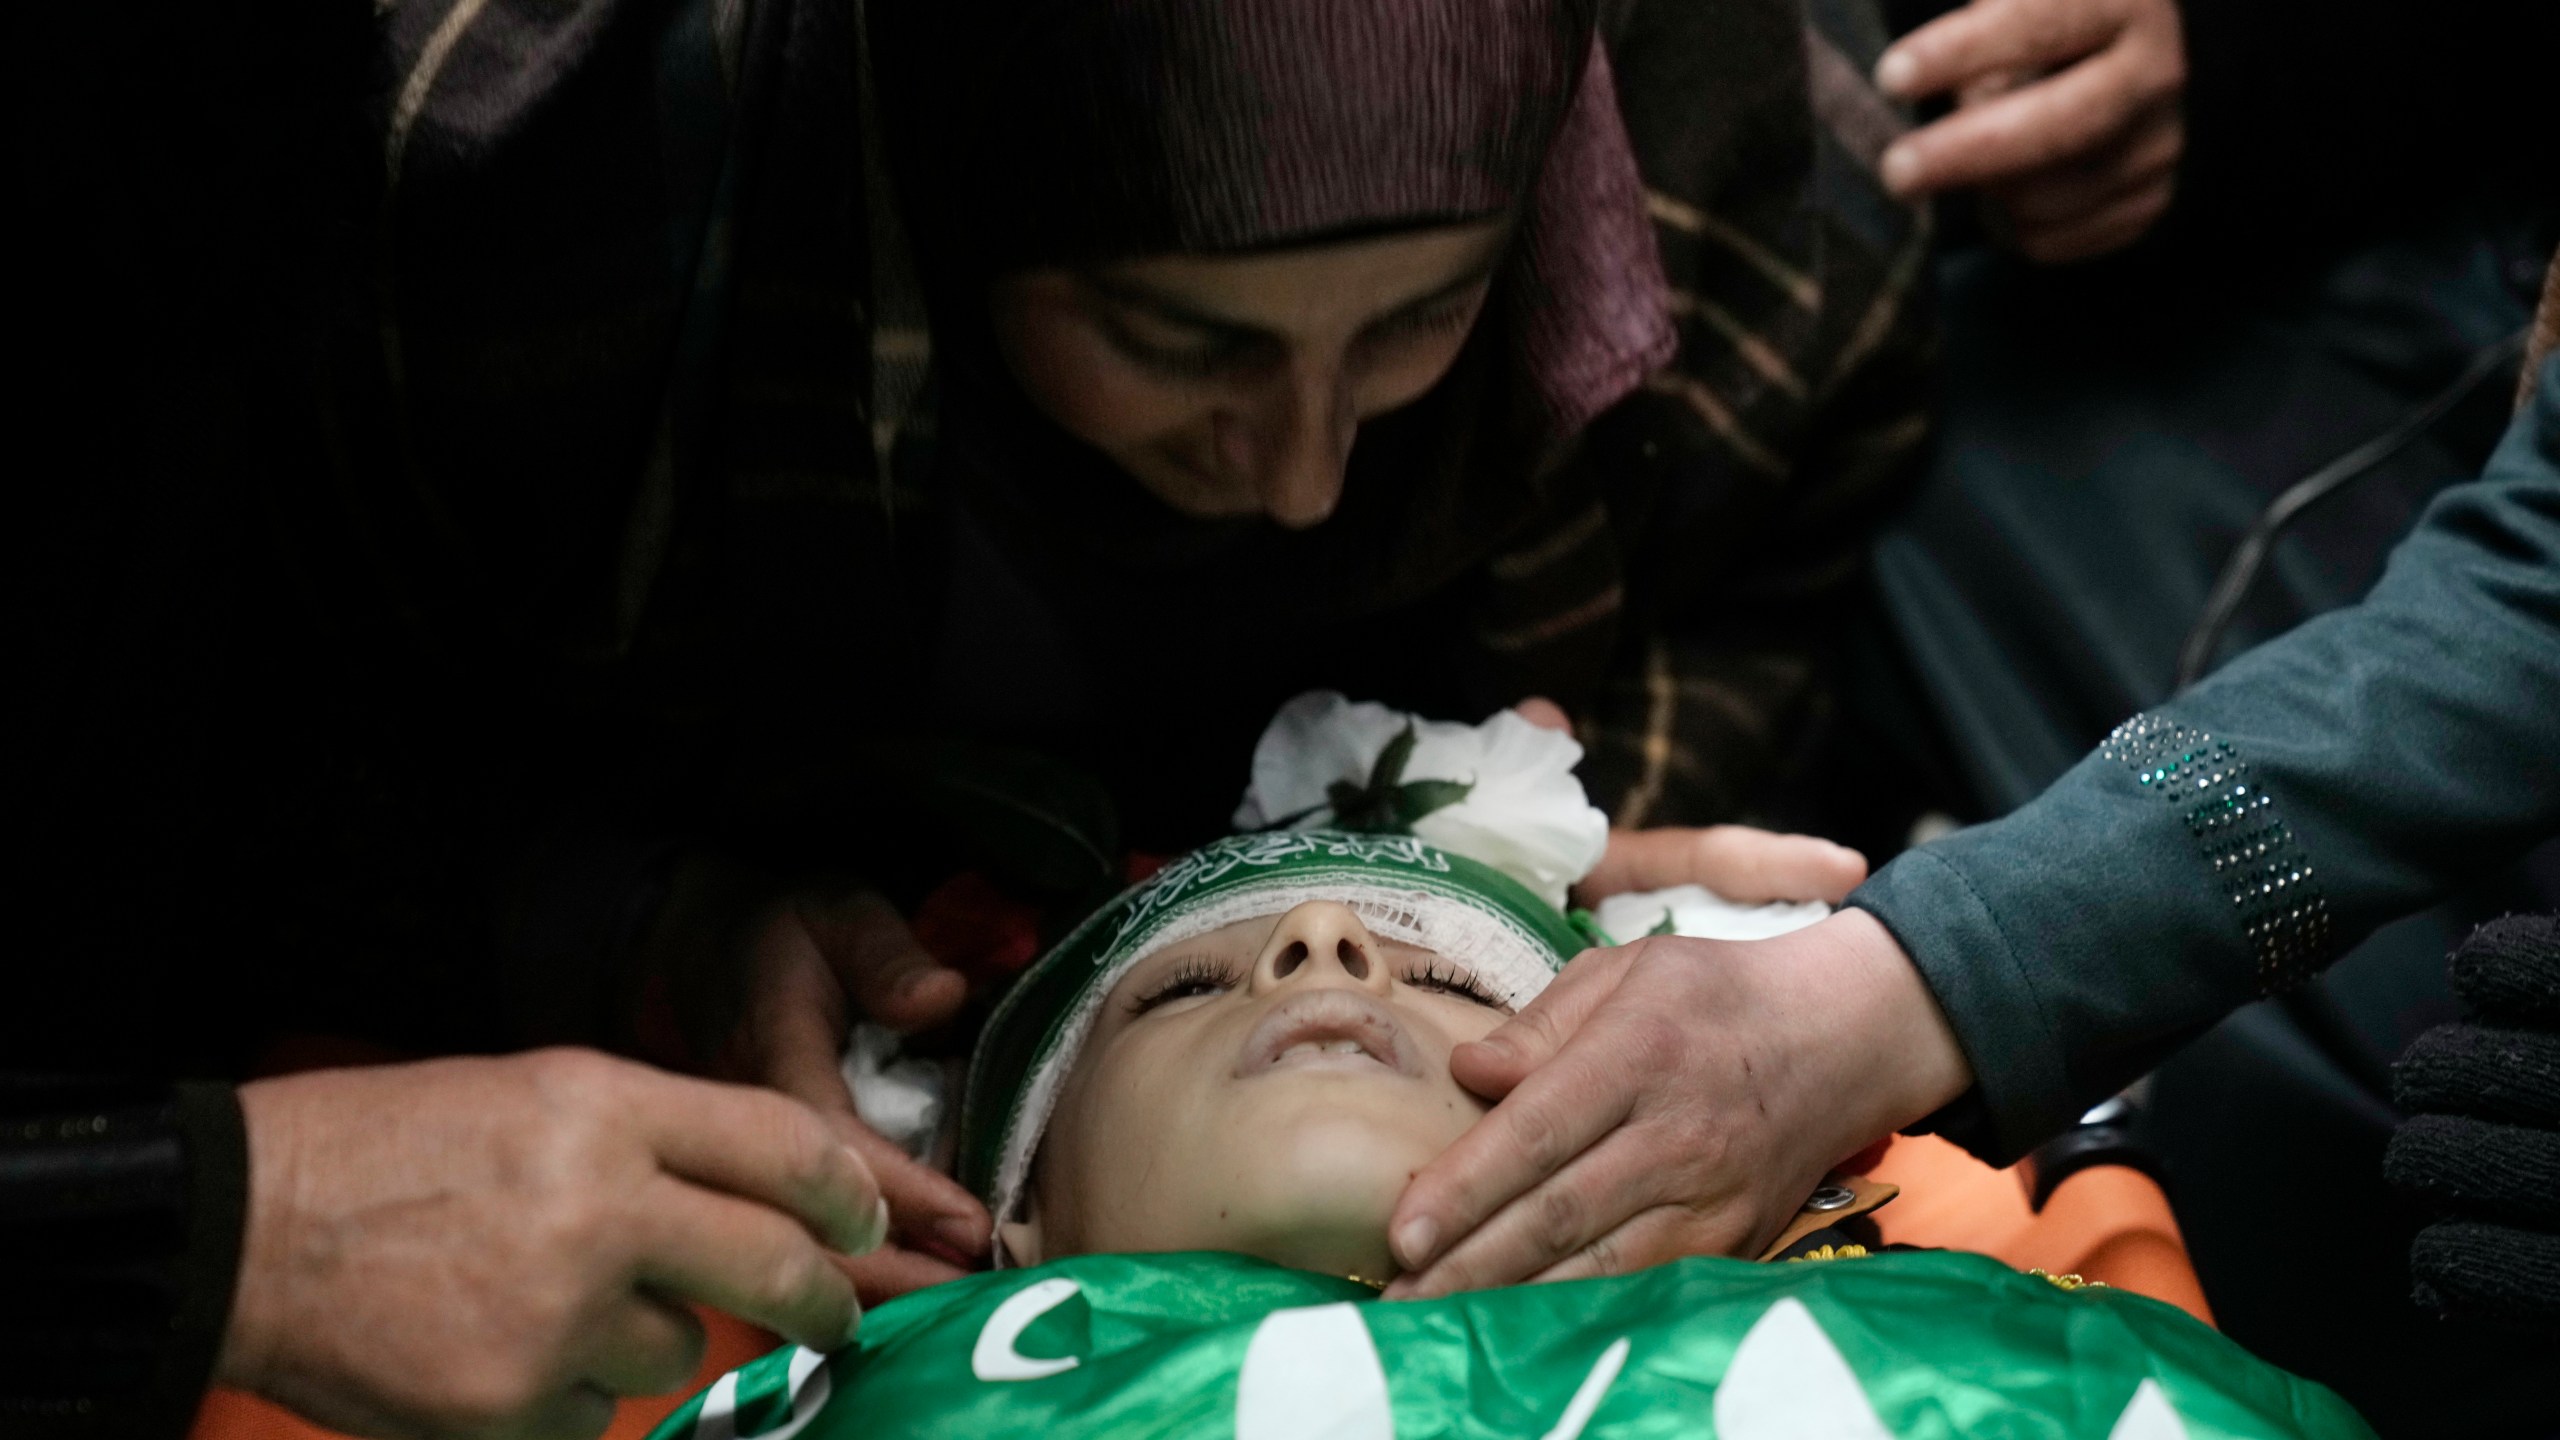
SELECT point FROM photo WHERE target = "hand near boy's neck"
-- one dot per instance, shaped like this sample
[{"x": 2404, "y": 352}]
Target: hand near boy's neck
[{"x": 1676, "y": 1097}]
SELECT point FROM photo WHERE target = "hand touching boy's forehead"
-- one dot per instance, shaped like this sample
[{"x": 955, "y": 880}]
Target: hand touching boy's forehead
[{"x": 1268, "y": 1088}]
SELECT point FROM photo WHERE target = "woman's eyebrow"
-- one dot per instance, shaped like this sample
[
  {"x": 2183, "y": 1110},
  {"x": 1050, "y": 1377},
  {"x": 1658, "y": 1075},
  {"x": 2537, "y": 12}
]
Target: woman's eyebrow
[{"x": 1174, "y": 309}]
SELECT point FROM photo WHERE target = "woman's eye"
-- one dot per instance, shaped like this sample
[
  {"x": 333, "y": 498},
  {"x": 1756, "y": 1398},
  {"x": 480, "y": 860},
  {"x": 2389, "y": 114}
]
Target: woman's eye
[
  {"x": 1197, "y": 363},
  {"x": 1439, "y": 320},
  {"x": 1177, "y": 359}
]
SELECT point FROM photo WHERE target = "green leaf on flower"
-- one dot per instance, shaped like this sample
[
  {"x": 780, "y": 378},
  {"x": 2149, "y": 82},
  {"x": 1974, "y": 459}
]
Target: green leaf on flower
[
  {"x": 1424, "y": 796},
  {"x": 1384, "y": 806},
  {"x": 1392, "y": 760},
  {"x": 1360, "y": 810}
]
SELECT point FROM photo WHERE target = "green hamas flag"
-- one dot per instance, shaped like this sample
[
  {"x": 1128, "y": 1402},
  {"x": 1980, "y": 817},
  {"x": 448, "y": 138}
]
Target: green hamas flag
[{"x": 1905, "y": 1346}]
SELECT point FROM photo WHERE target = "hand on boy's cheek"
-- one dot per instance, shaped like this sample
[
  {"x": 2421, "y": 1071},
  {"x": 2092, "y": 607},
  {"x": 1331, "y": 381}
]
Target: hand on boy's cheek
[
  {"x": 1674, "y": 1097},
  {"x": 817, "y": 963}
]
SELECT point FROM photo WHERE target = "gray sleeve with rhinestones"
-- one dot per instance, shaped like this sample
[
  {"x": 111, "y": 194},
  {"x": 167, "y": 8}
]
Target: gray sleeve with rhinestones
[{"x": 2232, "y": 842}]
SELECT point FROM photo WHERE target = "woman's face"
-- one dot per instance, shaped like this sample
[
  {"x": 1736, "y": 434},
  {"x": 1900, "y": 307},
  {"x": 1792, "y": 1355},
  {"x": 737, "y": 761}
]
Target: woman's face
[
  {"x": 1233, "y": 385},
  {"x": 1267, "y": 1088}
]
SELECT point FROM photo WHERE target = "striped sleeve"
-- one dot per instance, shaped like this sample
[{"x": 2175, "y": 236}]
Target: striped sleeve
[{"x": 1750, "y": 473}]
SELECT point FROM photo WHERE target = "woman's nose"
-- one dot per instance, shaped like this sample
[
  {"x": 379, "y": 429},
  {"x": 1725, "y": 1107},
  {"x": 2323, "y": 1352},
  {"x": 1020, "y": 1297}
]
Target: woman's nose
[
  {"x": 1319, "y": 943},
  {"x": 1295, "y": 447}
]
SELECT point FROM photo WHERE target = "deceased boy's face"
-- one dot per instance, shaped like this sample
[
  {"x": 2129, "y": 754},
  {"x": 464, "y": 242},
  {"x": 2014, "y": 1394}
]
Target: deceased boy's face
[{"x": 1266, "y": 1088}]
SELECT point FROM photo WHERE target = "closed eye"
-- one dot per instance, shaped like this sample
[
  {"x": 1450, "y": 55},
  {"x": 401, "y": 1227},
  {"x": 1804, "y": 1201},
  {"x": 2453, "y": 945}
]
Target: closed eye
[
  {"x": 1196, "y": 976},
  {"x": 1449, "y": 978},
  {"x": 1213, "y": 355}
]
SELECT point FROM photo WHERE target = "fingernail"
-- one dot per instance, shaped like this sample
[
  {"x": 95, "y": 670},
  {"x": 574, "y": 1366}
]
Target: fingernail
[
  {"x": 852, "y": 1327},
  {"x": 1897, "y": 72},
  {"x": 878, "y": 1235},
  {"x": 1414, "y": 1240},
  {"x": 1900, "y": 169}
]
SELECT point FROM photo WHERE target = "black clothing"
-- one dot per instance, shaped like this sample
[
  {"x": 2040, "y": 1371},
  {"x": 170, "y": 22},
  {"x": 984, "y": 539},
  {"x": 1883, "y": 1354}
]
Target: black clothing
[
  {"x": 2483, "y": 1141},
  {"x": 181, "y": 177},
  {"x": 120, "y": 1227}
]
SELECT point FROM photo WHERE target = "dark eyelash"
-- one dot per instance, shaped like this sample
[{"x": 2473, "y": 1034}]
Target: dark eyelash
[
  {"x": 1188, "y": 362},
  {"x": 1196, "y": 976},
  {"x": 1193, "y": 364},
  {"x": 1452, "y": 979},
  {"x": 1432, "y": 321}
]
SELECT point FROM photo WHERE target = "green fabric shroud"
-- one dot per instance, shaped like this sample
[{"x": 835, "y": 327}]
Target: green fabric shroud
[{"x": 1905, "y": 1346}]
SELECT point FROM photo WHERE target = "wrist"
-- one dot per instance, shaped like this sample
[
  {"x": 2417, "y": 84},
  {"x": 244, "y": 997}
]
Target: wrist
[
  {"x": 245, "y": 1359},
  {"x": 1905, "y": 1062}
]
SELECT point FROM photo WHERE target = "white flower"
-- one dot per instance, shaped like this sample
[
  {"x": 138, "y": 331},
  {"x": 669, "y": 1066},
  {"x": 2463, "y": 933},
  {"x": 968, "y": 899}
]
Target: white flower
[{"x": 1525, "y": 814}]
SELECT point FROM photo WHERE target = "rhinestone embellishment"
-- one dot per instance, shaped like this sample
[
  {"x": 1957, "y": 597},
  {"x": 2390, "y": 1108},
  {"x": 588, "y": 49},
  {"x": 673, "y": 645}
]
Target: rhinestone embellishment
[{"x": 2260, "y": 863}]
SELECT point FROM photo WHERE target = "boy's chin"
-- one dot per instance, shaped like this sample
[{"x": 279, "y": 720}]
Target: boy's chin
[
  {"x": 1328, "y": 1242},
  {"x": 1321, "y": 1199}
]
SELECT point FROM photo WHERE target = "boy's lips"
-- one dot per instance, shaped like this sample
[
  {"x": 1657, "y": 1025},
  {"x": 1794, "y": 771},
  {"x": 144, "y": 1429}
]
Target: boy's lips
[{"x": 1328, "y": 1028}]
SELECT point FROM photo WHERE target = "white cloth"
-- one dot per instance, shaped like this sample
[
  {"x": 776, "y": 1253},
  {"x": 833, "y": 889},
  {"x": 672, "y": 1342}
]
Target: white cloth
[
  {"x": 1702, "y": 914},
  {"x": 902, "y": 1099}
]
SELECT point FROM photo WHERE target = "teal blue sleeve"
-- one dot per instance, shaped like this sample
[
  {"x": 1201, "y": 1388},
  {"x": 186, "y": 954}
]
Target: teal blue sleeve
[{"x": 2231, "y": 842}]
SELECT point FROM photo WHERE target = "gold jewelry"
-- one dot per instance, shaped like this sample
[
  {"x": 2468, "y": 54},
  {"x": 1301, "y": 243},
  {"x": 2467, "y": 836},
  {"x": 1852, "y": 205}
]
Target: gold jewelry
[
  {"x": 2068, "y": 1282},
  {"x": 1830, "y": 1252},
  {"x": 1379, "y": 1285}
]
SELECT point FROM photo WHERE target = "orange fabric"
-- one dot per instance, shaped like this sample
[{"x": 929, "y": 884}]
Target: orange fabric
[
  {"x": 232, "y": 1415},
  {"x": 2108, "y": 1223}
]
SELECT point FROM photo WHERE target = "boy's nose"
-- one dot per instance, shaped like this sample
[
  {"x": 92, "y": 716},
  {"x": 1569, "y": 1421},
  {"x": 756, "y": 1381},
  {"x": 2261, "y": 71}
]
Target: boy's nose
[{"x": 1320, "y": 942}]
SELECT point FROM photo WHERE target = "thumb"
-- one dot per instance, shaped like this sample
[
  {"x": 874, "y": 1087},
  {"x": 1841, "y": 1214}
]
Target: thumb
[
  {"x": 1737, "y": 862},
  {"x": 1965, "y": 45},
  {"x": 890, "y": 977},
  {"x": 1492, "y": 1066},
  {"x": 803, "y": 1061}
]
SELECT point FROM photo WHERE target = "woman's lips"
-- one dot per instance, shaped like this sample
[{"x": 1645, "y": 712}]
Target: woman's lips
[{"x": 1328, "y": 1029}]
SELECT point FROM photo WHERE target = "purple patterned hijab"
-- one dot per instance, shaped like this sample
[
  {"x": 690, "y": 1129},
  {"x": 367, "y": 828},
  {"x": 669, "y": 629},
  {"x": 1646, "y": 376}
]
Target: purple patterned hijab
[{"x": 1057, "y": 131}]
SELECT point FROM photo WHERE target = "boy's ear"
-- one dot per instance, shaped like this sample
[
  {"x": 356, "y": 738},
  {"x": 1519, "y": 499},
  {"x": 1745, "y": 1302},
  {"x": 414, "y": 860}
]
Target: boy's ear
[{"x": 1020, "y": 1236}]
